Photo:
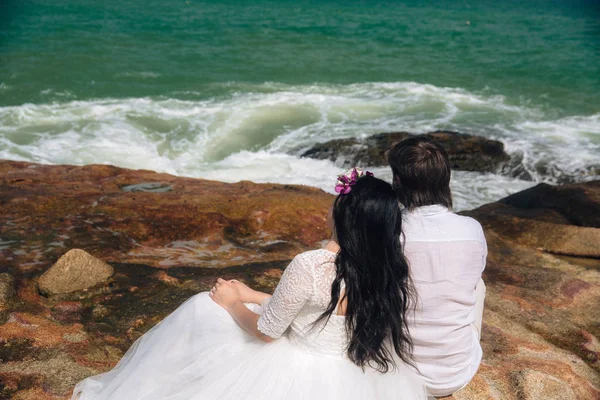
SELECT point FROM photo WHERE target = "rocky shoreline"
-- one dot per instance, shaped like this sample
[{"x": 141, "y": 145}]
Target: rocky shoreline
[{"x": 165, "y": 238}]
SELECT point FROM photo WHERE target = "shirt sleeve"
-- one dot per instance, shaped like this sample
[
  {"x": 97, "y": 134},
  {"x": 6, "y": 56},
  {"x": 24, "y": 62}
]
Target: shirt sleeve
[
  {"x": 484, "y": 248},
  {"x": 291, "y": 294}
]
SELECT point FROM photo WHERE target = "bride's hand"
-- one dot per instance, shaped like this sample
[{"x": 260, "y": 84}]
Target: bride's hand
[
  {"x": 225, "y": 294},
  {"x": 247, "y": 295}
]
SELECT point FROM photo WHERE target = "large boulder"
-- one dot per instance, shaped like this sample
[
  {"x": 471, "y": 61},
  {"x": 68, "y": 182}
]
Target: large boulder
[
  {"x": 555, "y": 219},
  {"x": 466, "y": 152},
  {"x": 577, "y": 204},
  {"x": 76, "y": 270}
]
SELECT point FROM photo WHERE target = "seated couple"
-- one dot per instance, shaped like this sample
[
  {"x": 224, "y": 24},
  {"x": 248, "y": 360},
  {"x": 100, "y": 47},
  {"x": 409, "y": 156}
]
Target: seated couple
[{"x": 390, "y": 308}]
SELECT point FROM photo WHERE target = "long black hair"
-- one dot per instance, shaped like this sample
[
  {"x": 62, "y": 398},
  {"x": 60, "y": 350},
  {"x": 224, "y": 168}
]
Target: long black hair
[{"x": 378, "y": 289}]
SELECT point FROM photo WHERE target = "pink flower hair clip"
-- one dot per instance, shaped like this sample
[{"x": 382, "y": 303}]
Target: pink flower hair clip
[{"x": 346, "y": 181}]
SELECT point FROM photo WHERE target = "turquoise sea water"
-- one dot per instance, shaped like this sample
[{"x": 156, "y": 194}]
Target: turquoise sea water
[{"x": 235, "y": 90}]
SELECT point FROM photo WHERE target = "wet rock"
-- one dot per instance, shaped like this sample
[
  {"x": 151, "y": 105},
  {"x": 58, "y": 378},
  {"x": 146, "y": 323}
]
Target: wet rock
[
  {"x": 103, "y": 210},
  {"x": 152, "y": 187},
  {"x": 74, "y": 271},
  {"x": 466, "y": 152},
  {"x": 515, "y": 168}
]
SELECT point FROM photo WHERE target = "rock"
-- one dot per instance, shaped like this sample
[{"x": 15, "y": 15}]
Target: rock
[
  {"x": 556, "y": 219},
  {"x": 100, "y": 312},
  {"x": 7, "y": 295},
  {"x": 75, "y": 337},
  {"x": 538, "y": 385},
  {"x": 540, "y": 321},
  {"x": 540, "y": 330},
  {"x": 67, "y": 311},
  {"x": 7, "y": 290},
  {"x": 515, "y": 168},
  {"x": 579, "y": 204},
  {"x": 59, "y": 375},
  {"x": 74, "y": 271},
  {"x": 165, "y": 278},
  {"x": 198, "y": 223},
  {"x": 466, "y": 152}
]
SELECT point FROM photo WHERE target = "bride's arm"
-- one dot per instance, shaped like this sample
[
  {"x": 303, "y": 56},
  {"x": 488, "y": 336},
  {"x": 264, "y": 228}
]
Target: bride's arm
[
  {"x": 248, "y": 320},
  {"x": 227, "y": 295},
  {"x": 292, "y": 293},
  {"x": 249, "y": 295}
]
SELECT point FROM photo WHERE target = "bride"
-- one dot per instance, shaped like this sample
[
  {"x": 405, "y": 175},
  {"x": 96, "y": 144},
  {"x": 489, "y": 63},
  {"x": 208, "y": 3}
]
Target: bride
[{"x": 335, "y": 327}]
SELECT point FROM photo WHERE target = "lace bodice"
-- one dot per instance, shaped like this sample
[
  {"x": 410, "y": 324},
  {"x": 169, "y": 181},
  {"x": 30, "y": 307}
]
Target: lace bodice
[{"x": 302, "y": 295}]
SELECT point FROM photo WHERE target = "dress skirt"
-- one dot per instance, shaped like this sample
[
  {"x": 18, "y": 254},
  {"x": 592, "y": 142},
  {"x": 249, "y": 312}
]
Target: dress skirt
[{"x": 199, "y": 352}]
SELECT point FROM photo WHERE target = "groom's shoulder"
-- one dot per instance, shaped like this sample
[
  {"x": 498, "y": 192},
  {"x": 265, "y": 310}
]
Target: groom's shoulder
[
  {"x": 465, "y": 224},
  {"x": 444, "y": 227},
  {"x": 464, "y": 220}
]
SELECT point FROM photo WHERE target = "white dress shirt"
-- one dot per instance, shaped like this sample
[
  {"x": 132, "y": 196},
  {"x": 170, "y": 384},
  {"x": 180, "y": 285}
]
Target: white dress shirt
[{"x": 446, "y": 253}]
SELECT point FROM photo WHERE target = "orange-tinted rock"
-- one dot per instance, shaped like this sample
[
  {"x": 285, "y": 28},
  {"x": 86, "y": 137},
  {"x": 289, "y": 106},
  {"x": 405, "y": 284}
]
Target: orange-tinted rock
[
  {"x": 542, "y": 309},
  {"x": 47, "y": 210},
  {"x": 540, "y": 332}
]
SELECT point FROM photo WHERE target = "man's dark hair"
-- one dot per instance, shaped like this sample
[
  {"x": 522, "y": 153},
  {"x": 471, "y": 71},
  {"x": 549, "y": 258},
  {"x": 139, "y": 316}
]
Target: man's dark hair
[{"x": 421, "y": 172}]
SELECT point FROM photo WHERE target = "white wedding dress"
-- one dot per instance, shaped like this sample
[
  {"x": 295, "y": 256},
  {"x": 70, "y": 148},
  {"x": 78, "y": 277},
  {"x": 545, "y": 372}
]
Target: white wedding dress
[{"x": 200, "y": 353}]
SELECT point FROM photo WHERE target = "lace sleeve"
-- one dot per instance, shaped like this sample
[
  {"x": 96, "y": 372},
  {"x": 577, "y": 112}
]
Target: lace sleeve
[{"x": 291, "y": 294}]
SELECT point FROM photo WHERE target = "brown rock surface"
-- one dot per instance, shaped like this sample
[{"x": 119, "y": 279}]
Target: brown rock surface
[
  {"x": 7, "y": 290},
  {"x": 75, "y": 270},
  {"x": 540, "y": 333},
  {"x": 466, "y": 152},
  {"x": 147, "y": 218},
  {"x": 7, "y": 294}
]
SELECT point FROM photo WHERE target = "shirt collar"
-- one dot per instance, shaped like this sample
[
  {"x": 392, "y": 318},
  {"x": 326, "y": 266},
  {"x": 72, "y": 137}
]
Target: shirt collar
[{"x": 426, "y": 211}]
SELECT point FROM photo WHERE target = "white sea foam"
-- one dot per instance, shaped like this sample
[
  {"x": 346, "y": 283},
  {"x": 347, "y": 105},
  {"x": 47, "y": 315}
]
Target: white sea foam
[
  {"x": 140, "y": 75},
  {"x": 257, "y": 132},
  {"x": 469, "y": 189}
]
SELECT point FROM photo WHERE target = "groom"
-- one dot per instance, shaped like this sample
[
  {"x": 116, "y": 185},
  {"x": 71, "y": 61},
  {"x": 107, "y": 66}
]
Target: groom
[{"x": 446, "y": 253}]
